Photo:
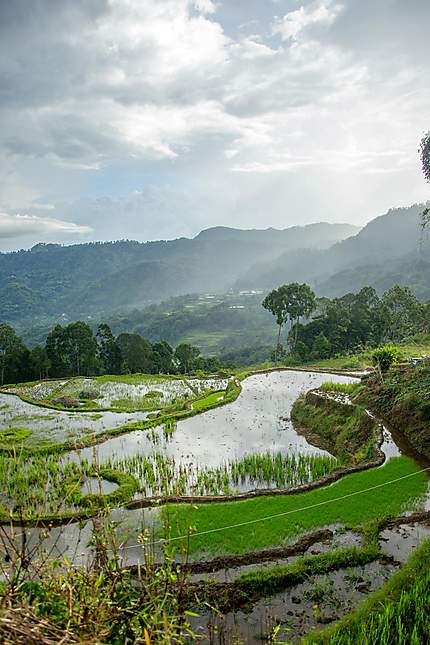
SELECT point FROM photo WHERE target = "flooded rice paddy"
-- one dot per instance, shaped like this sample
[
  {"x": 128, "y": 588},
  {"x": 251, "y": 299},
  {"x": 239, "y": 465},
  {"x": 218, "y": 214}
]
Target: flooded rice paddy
[
  {"x": 290, "y": 614},
  {"x": 55, "y": 426},
  {"x": 258, "y": 421},
  {"x": 250, "y": 443},
  {"x": 49, "y": 425}
]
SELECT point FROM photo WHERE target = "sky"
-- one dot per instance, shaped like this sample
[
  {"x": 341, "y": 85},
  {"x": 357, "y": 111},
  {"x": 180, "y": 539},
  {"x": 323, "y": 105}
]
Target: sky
[{"x": 155, "y": 119}]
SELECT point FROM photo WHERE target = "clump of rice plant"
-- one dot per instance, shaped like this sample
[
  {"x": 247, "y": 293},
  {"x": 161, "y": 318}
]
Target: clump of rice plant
[
  {"x": 40, "y": 484},
  {"x": 14, "y": 435},
  {"x": 344, "y": 388},
  {"x": 159, "y": 474},
  {"x": 153, "y": 394}
]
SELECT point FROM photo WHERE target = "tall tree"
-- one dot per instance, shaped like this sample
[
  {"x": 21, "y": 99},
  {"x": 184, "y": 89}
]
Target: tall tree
[
  {"x": 108, "y": 350},
  {"x": 39, "y": 363},
  {"x": 136, "y": 352},
  {"x": 425, "y": 160},
  {"x": 72, "y": 350},
  {"x": 186, "y": 356},
  {"x": 276, "y": 304},
  {"x": 404, "y": 314},
  {"x": 13, "y": 355},
  {"x": 163, "y": 358},
  {"x": 300, "y": 301},
  {"x": 56, "y": 352},
  {"x": 81, "y": 348}
]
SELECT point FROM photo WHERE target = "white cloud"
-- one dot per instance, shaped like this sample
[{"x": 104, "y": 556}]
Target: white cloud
[
  {"x": 293, "y": 23},
  {"x": 205, "y": 6},
  {"x": 16, "y": 226},
  {"x": 174, "y": 93}
]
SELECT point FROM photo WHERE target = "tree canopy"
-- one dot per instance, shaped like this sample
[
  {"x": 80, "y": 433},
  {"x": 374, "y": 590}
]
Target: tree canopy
[{"x": 425, "y": 161}]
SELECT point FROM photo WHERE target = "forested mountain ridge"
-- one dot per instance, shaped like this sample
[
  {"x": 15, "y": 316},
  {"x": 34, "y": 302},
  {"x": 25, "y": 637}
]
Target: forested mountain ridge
[
  {"x": 382, "y": 247},
  {"x": 98, "y": 278}
]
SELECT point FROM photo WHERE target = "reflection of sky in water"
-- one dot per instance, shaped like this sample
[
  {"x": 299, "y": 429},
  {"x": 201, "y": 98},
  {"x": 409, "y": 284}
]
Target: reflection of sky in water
[
  {"x": 73, "y": 540},
  {"x": 55, "y": 425},
  {"x": 256, "y": 422}
]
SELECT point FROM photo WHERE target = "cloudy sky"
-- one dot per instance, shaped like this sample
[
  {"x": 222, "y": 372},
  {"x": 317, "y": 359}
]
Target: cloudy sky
[{"x": 152, "y": 119}]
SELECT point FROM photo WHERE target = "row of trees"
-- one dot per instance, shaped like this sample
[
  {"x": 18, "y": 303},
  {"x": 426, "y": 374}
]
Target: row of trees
[
  {"x": 74, "y": 350},
  {"x": 345, "y": 324}
]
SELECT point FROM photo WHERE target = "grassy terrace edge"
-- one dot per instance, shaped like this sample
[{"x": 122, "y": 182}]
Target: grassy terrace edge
[{"x": 393, "y": 614}]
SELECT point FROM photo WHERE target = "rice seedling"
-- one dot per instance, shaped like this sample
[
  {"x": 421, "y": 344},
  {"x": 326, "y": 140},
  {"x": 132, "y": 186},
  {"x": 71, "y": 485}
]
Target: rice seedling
[
  {"x": 344, "y": 388},
  {"x": 11, "y": 436},
  {"x": 316, "y": 509},
  {"x": 159, "y": 474},
  {"x": 39, "y": 484}
]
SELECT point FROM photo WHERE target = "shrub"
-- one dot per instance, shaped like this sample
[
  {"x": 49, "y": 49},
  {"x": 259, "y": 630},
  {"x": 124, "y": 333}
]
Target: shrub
[
  {"x": 89, "y": 394},
  {"x": 384, "y": 357},
  {"x": 67, "y": 402}
]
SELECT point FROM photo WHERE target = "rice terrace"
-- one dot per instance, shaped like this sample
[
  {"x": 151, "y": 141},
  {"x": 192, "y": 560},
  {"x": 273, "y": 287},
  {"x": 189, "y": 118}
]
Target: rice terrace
[
  {"x": 275, "y": 500},
  {"x": 214, "y": 322}
]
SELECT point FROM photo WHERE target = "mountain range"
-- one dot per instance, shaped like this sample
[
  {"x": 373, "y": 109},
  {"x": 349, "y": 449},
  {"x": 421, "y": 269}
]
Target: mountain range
[{"x": 98, "y": 280}]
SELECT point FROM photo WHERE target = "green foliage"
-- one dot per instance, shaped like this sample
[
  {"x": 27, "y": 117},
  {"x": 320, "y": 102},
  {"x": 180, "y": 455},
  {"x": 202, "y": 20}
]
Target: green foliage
[
  {"x": 186, "y": 357},
  {"x": 321, "y": 346},
  {"x": 425, "y": 155},
  {"x": 13, "y": 355},
  {"x": 405, "y": 315},
  {"x": 34, "y": 486},
  {"x": 14, "y": 435},
  {"x": 72, "y": 350},
  {"x": 159, "y": 474},
  {"x": 108, "y": 350},
  {"x": 356, "y": 321},
  {"x": 136, "y": 352},
  {"x": 384, "y": 357},
  {"x": 345, "y": 388},
  {"x": 277, "y": 578},
  {"x": 127, "y": 487},
  {"x": 404, "y": 400},
  {"x": 346, "y": 431},
  {"x": 208, "y": 401},
  {"x": 38, "y": 486},
  {"x": 289, "y": 301}
]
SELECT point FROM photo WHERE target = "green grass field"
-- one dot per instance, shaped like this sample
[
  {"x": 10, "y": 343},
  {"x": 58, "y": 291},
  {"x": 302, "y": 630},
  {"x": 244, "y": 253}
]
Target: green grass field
[
  {"x": 353, "y": 511},
  {"x": 211, "y": 399}
]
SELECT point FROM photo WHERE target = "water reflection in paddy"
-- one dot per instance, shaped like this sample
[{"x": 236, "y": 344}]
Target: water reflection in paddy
[
  {"x": 258, "y": 421},
  {"x": 48, "y": 425}
]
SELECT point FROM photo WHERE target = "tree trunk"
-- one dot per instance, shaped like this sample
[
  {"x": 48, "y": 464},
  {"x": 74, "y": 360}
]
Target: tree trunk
[
  {"x": 278, "y": 343},
  {"x": 296, "y": 332}
]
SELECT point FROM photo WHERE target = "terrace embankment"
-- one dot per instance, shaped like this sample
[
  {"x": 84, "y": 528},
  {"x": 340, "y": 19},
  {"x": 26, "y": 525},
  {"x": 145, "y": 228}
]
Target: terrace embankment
[
  {"x": 342, "y": 428},
  {"x": 402, "y": 398}
]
